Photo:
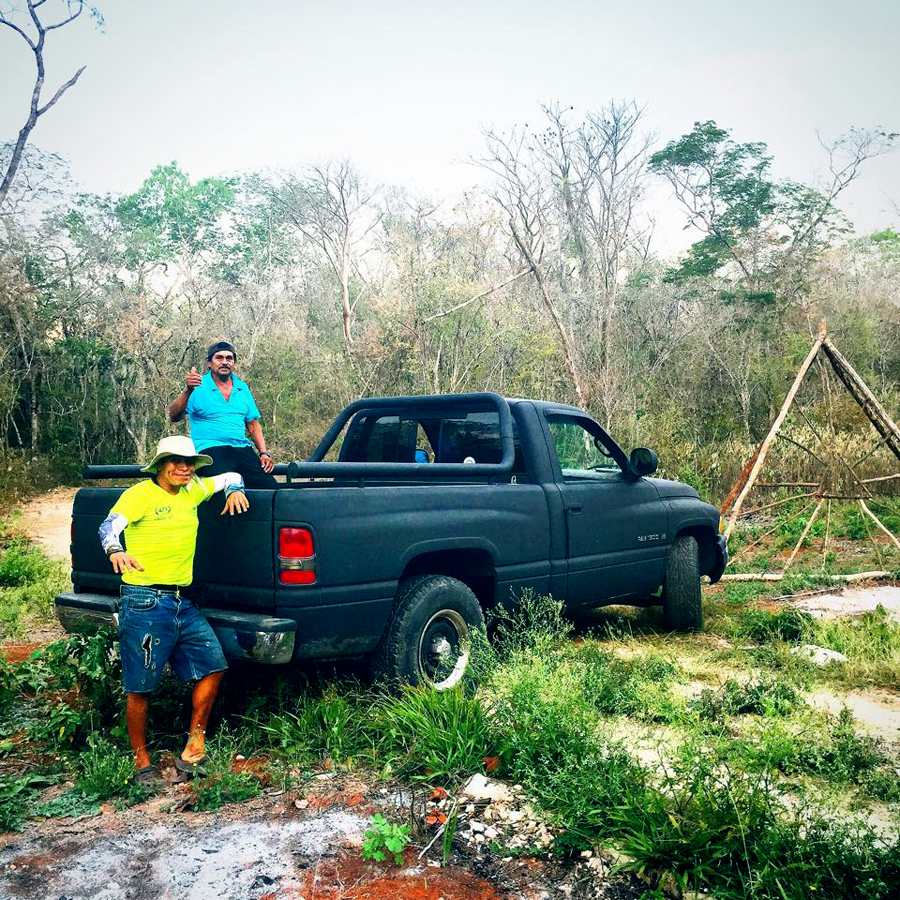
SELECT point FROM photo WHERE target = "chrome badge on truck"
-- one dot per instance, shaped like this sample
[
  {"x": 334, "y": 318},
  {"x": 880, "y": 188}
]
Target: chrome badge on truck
[{"x": 646, "y": 538}]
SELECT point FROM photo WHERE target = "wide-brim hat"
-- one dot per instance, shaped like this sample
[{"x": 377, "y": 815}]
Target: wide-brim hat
[{"x": 176, "y": 445}]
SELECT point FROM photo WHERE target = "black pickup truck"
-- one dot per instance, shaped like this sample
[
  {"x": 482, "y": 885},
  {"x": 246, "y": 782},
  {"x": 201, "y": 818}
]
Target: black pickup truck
[{"x": 412, "y": 517}]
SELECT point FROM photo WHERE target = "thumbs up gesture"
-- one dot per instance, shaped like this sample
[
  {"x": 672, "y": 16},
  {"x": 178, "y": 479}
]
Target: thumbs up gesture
[{"x": 193, "y": 379}]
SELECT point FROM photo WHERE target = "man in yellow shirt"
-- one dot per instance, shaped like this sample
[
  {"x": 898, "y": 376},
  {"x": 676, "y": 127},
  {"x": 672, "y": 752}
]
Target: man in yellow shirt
[{"x": 157, "y": 623}]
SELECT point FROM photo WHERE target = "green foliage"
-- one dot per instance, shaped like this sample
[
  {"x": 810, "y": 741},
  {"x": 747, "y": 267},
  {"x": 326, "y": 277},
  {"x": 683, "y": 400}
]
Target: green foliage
[
  {"x": 767, "y": 697},
  {"x": 435, "y": 736},
  {"x": 530, "y": 624},
  {"x": 547, "y": 740},
  {"x": 832, "y": 750},
  {"x": 385, "y": 840},
  {"x": 105, "y": 770},
  {"x": 638, "y": 687},
  {"x": 168, "y": 215},
  {"x": 15, "y": 795},
  {"x": 69, "y": 805},
  {"x": 768, "y": 232},
  {"x": 333, "y": 725},
  {"x": 227, "y": 787},
  {"x": 28, "y": 583},
  {"x": 21, "y": 563},
  {"x": 785, "y": 625}
]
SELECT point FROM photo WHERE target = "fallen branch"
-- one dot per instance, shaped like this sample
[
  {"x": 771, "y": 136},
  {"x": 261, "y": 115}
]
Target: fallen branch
[
  {"x": 806, "y": 531},
  {"x": 879, "y": 523},
  {"x": 778, "y": 576}
]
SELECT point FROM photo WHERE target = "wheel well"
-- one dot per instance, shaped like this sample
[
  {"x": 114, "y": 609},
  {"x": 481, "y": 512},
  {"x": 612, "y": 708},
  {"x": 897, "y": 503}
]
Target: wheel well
[
  {"x": 706, "y": 544},
  {"x": 472, "y": 567}
]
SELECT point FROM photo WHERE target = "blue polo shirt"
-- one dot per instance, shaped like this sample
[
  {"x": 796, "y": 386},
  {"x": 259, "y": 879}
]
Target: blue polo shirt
[{"x": 216, "y": 421}]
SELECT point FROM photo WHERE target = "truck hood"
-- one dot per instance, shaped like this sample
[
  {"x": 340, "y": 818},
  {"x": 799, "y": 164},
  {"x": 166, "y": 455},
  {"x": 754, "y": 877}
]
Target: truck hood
[{"x": 668, "y": 489}]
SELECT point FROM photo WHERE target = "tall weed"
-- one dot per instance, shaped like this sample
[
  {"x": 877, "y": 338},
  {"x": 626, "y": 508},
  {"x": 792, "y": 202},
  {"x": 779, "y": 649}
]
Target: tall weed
[{"x": 437, "y": 736}]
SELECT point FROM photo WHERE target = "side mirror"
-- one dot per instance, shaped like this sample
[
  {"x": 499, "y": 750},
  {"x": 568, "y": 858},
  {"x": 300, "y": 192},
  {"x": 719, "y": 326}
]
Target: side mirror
[{"x": 643, "y": 461}]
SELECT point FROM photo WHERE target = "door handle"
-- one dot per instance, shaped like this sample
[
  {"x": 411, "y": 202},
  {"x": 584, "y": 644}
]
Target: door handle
[{"x": 576, "y": 510}]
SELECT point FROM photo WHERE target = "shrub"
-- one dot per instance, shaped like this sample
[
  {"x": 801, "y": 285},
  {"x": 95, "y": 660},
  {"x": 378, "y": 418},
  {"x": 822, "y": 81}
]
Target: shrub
[
  {"x": 433, "y": 735},
  {"x": 331, "y": 725},
  {"x": 105, "y": 770},
  {"x": 766, "y": 697},
  {"x": 639, "y": 687},
  {"x": 21, "y": 563},
  {"x": 785, "y": 625}
]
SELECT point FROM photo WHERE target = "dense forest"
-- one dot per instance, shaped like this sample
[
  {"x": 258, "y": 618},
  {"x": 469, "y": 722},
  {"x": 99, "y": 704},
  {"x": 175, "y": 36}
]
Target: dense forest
[{"x": 543, "y": 282}]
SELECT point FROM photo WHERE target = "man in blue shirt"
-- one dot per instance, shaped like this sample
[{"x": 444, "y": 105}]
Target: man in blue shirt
[{"x": 222, "y": 413}]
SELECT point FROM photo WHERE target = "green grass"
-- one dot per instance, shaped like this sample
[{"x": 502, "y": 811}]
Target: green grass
[
  {"x": 432, "y": 736},
  {"x": 712, "y": 815},
  {"x": 28, "y": 583}
]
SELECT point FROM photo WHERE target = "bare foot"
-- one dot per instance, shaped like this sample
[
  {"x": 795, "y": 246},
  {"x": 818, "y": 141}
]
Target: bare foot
[{"x": 195, "y": 749}]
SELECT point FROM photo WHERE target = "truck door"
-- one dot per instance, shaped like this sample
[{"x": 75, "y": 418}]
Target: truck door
[{"x": 615, "y": 525}]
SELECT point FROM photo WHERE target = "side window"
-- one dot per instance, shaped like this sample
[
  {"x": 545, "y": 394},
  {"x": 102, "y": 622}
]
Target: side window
[
  {"x": 393, "y": 438},
  {"x": 581, "y": 454},
  {"x": 380, "y": 439},
  {"x": 475, "y": 436}
]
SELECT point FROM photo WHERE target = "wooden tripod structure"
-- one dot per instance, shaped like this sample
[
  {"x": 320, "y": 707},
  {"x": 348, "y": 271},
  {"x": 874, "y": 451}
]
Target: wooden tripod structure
[{"x": 876, "y": 414}]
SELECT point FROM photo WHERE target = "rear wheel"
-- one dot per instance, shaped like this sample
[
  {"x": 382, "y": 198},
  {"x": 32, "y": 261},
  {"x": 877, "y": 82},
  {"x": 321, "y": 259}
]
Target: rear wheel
[
  {"x": 427, "y": 641},
  {"x": 682, "y": 602}
]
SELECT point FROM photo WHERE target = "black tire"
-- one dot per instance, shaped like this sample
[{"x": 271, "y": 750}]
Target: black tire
[
  {"x": 682, "y": 601},
  {"x": 426, "y": 642}
]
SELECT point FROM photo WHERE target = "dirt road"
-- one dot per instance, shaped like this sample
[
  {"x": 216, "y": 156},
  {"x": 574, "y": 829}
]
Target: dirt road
[{"x": 47, "y": 520}]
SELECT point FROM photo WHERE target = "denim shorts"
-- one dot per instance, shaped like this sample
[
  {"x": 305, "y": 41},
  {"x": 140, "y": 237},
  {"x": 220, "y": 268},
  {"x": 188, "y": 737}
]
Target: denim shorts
[{"x": 157, "y": 626}]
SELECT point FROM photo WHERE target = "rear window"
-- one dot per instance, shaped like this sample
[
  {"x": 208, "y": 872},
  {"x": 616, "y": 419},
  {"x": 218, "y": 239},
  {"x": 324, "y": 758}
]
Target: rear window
[{"x": 456, "y": 438}]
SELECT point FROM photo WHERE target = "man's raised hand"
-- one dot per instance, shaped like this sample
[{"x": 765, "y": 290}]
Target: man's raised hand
[
  {"x": 193, "y": 379},
  {"x": 124, "y": 562}
]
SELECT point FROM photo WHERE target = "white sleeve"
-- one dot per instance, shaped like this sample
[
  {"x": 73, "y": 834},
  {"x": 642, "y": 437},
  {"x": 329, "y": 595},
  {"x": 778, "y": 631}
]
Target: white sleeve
[
  {"x": 229, "y": 482},
  {"x": 110, "y": 532}
]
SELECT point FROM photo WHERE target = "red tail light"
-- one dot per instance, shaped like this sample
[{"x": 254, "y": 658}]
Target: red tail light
[{"x": 296, "y": 556}]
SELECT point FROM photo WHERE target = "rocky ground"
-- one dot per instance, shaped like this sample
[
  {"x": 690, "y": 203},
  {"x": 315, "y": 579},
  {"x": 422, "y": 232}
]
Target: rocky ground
[{"x": 303, "y": 844}]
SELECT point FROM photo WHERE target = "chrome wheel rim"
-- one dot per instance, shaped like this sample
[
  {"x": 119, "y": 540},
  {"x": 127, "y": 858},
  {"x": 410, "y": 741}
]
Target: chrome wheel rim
[{"x": 443, "y": 651}]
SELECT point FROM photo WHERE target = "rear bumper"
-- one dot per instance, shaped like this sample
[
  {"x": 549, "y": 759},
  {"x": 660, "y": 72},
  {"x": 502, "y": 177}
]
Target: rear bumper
[{"x": 263, "y": 639}]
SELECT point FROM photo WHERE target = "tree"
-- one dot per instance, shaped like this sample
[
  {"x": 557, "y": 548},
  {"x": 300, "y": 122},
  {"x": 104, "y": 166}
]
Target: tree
[
  {"x": 769, "y": 232},
  {"x": 527, "y": 202},
  {"x": 34, "y": 33},
  {"x": 332, "y": 207}
]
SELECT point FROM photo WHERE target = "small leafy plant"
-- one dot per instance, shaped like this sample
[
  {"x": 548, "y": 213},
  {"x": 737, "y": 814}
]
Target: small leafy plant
[
  {"x": 71, "y": 804},
  {"x": 230, "y": 787},
  {"x": 383, "y": 839}
]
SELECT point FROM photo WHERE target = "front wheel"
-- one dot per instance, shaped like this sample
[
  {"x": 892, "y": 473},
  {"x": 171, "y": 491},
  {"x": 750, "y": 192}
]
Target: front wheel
[
  {"x": 682, "y": 602},
  {"x": 427, "y": 641}
]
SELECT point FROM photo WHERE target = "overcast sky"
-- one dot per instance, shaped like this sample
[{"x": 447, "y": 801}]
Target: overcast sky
[{"x": 405, "y": 88}]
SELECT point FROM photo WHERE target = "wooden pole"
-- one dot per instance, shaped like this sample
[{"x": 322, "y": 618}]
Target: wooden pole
[
  {"x": 774, "y": 503},
  {"x": 762, "y": 537},
  {"x": 764, "y": 447},
  {"x": 860, "y": 392},
  {"x": 878, "y": 522},
  {"x": 809, "y": 525}
]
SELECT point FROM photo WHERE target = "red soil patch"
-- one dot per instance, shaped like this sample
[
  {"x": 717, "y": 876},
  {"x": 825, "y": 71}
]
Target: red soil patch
[
  {"x": 16, "y": 653},
  {"x": 352, "y": 878}
]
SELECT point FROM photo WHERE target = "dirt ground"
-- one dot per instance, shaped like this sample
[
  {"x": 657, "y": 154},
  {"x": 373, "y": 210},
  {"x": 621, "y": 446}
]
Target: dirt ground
[
  {"x": 295, "y": 846},
  {"x": 281, "y": 845},
  {"x": 46, "y": 520}
]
